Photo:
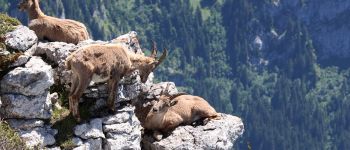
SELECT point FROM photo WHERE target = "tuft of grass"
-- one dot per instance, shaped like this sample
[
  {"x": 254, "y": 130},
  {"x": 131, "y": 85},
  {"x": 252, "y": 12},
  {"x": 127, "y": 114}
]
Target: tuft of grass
[
  {"x": 7, "y": 24},
  {"x": 9, "y": 139},
  {"x": 63, "y": 121}
]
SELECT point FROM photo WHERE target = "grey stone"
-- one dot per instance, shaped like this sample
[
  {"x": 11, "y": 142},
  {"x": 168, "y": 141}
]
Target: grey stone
[
  {"x": 22, "y": 38},
  {"x": 91, "y": 144},
  {"x": 38, "y": 137},
  {"x": 157, "y": 89},
  {"x": 53, "y": 148},
  {"x": 55, "y": 52},
  {"x": 32, "y": 80},
  {"x": 123, "y": 130},
  {"x": 121, "y": 117},
  {"x": 122, "y": 143},
  {"x": 217, "y": 134},
  {"x": 21, "y": 106},
  {"x": 54, "y": 97},
  {"x": 130, "y": 39},
  {"x": 22, "y": 124},
  {"x": 118, "y": 128},
  {"x": 77, "y": 141},
  {"x": 90, "y": 130},
  {"x": 21, "y": 60}
]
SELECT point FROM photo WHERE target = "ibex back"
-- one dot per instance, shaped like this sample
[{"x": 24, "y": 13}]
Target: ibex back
[{"x": 101, "y": 63}]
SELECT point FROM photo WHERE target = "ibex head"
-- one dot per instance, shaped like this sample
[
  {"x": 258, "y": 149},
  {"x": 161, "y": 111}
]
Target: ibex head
[
  {"x": 166, "y": 100},
  {"x": 26, "y": 4},
  {"x": 153, "y": 64}
]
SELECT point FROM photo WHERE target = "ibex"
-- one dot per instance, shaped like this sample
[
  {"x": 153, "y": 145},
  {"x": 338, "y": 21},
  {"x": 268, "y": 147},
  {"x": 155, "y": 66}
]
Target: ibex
[
  {"x": 109, "y": 62},
  {"x": 179, "y": 109},
  {"x": 51, "y": 28}
]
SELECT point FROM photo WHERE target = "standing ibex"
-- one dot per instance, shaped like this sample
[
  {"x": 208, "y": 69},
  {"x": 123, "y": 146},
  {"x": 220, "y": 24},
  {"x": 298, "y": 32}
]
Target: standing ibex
[
  {"x": 51, "y": 28},
  {"x": 179, "y": 109},
  {"x": 109, "y": 62}
]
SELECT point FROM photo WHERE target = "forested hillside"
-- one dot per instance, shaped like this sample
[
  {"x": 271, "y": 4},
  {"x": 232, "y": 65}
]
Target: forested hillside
[{"x": 270, "y": 62}]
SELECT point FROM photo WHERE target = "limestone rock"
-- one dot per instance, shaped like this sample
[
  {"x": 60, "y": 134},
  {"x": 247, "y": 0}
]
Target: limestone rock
[
  {"x": 77, "y": 141},
  {"x": 157, "y": 89},
  {"x": 131, "y": 40},
  {"x": 38, "y": 137},
  {"x": 32, "y": 80},
  {"x": 20, "y": 106},
  {"x": 21, "y": 60},
  {"x": 21, "y": 124},
  {"x": 123, "y": 130},
  {"x": 217, "y": 134},
  {"x": 22, "y": 38},
  {"x": 91, "y": 144},
  {"x": 53, "y": 148},
  {"x": 90, "y": 130}
]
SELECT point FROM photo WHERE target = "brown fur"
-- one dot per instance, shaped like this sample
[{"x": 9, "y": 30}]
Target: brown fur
[
  {"x": 51, "y": 28},
  {"x": 109, "y": 62},
  {"x": 168, "y": 113}
]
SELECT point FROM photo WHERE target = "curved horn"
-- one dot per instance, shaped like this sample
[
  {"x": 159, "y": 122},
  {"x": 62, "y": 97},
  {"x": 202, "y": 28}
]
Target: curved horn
[
  {"x": 161, "y": 59},
  {"x": 154, "y": 50}
]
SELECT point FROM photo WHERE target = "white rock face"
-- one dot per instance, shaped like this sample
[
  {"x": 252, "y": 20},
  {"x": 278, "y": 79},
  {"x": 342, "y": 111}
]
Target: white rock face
[
  {"x": 32, "y": 80},
  {"x": 22, "y": 38},
  {"x": 123, "y": 130},
  {"x": 21, "y": 60},
  {"x": 21, "y": 124},
  {"x": 25, "y": 91},
  {"x": 38, "y": 137},
  {"x": 217, "y": 134},
  {"x": 91, "y": 144},
  {"x": 20, "y": 106},
  {"x": 90, "y": 130},
  {"x": 157, "y": 89}
]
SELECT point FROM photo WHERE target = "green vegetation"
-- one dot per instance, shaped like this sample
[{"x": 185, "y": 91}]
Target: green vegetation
[
  {"x": 293, "y": 102},
  {"x": 63, "y": 121},
  {"x": 9, "y": 139},
  {"x": 7, "y": 24}
]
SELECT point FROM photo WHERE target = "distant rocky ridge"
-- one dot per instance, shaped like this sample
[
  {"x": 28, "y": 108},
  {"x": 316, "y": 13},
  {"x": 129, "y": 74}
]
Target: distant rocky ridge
[{"x": 26, "y": 103}]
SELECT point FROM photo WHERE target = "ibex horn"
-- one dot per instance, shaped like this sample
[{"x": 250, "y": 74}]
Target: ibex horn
[
  {"x": 154, "y": 50},
  {"x": 161, "y": 59}
]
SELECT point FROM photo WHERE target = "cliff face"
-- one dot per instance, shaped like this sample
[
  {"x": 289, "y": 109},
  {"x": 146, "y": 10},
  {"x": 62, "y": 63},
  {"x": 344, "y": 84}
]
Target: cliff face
[
  {"x": 279, "y": 27},
  {"x": 327, "y": 22},
  {"x": 29, "y": 105}
]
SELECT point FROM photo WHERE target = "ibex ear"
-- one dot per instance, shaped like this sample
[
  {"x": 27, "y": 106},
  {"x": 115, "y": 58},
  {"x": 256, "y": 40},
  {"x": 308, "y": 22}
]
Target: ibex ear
[{"x": 173, "y": 102}]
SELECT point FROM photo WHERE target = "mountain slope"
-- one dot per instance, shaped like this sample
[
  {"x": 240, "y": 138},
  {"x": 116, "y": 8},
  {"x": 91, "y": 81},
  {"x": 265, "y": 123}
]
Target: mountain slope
[{"x": 280, "y": 65}]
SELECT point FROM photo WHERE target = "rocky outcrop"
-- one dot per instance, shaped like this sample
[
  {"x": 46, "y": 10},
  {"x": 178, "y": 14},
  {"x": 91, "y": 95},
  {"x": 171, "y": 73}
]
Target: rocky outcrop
[
  {"x": 216, "y": 134},
  {"x": 38, "y": 137},
  {"x": 123, "y": 130},
  {"x": 21, "y": 39},
  {"x": 119, "y": 131},
  {"x": 26, "y": 104},
  {"x": 25, "y": 91}
]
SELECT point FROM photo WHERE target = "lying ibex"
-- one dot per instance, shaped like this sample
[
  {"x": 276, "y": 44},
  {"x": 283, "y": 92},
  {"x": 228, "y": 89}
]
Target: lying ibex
[
  {"x": 51, "y": 28},
  {"x": 109, "y": 62},
  {"x": 179, "y": 109}
]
